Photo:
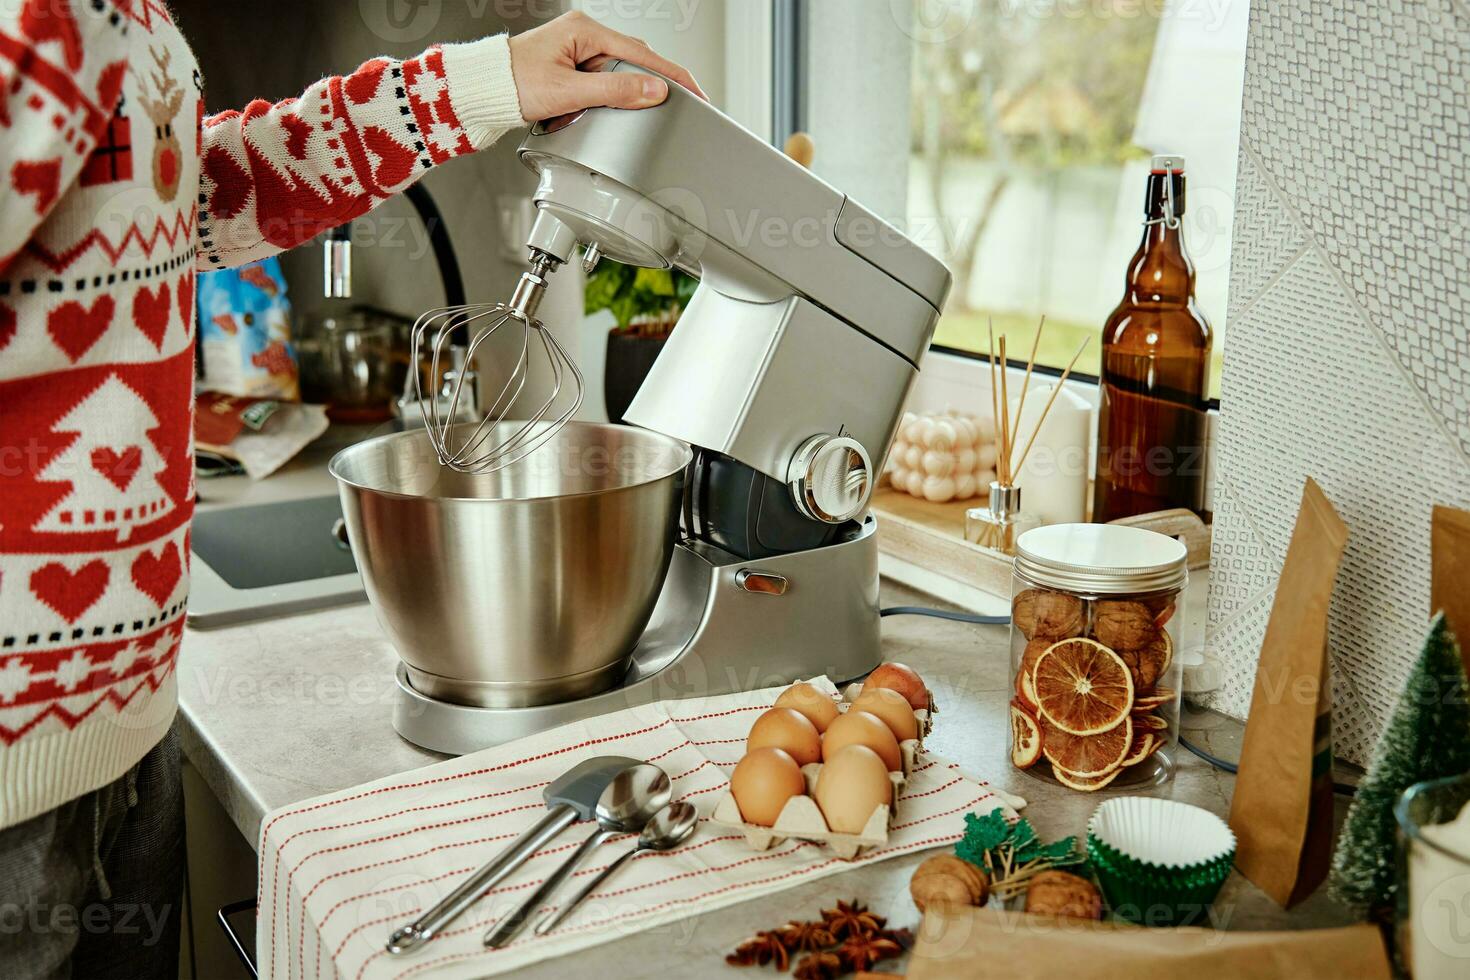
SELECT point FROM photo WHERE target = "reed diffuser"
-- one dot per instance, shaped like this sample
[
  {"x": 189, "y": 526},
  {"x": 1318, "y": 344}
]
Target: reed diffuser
[{"x": 1003, "y": 521}]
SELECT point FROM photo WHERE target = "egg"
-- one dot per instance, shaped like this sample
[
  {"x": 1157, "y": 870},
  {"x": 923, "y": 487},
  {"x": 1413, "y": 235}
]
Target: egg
[
  {"x": 787, "y": 729},
  {"x": 762, "y": 783},
  {"x": 852, "y": 784},
  {"x": 890, "y": 706},
  {"x": 818, "y": 708},
  {"x": 862, "y": 728},
  {"x": 901, "y": 678}
]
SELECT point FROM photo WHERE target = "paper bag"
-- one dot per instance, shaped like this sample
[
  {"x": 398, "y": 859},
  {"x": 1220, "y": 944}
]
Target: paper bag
[
  {"x": 1450, "y": 550},
  {"x": 1281, "y": 811},
  {"x": 971, "y": 944}
]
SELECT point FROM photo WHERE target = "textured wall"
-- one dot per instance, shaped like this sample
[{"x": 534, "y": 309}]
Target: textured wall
[{"x": 1348, "y": 345}]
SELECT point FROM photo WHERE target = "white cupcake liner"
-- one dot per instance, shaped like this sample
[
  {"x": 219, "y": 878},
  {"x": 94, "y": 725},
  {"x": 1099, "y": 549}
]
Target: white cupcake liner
[{"x": 1164, "y": 833}]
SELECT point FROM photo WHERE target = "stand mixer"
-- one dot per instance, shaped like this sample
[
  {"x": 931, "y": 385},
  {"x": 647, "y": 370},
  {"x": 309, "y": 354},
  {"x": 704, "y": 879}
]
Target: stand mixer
[{"x": 785, "y": 377}]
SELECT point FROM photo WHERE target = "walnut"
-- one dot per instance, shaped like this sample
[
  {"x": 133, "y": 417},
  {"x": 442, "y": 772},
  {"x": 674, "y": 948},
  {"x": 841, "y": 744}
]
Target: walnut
[
  {"x": 947, "y": 879},
  {"x": 1062, "y": 894},
  {"x": 1034, "y": 649},
  {"x": 1039, "y": 613},
  {"x": 1122, "y": 624}
]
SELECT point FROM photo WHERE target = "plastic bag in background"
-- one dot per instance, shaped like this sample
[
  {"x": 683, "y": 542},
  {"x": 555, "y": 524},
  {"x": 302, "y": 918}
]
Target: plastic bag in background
[{"x": 245, "y": 332}]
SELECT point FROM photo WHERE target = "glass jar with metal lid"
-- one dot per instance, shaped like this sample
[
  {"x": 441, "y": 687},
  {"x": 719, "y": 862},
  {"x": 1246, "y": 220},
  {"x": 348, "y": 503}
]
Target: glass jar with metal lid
[{"x": 1094, "y": 628}]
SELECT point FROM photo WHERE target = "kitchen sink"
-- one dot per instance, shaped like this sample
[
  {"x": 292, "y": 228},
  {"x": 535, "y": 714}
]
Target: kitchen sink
[{"x": 259, "y": 561}]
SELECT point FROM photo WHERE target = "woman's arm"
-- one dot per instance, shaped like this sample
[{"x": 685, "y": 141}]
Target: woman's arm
[
  {"x": 274, "y": 176},
  {"x": 61, "y": 71}
]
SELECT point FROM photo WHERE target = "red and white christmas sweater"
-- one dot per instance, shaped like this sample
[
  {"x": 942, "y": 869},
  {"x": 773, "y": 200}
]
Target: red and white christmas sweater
[{"x": 116, "y": 189}]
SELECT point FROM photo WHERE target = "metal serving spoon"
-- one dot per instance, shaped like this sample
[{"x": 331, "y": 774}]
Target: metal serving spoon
[
  {"x": 669, "y": 828},
  {"x": 629, "y": 802}
]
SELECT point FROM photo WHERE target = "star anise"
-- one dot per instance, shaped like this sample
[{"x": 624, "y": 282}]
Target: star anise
[
  {"x": 858, "y": 953},
  {"x": 807, "y": 937},
  {"x": 852, "y": 919},
  {"x": 764, "y": 947},
  {"x": 819, "y": 966}
]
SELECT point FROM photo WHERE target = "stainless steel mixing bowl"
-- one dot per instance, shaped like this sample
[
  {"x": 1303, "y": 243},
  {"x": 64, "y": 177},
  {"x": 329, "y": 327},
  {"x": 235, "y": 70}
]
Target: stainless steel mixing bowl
[{"x": 525, "y": 586}]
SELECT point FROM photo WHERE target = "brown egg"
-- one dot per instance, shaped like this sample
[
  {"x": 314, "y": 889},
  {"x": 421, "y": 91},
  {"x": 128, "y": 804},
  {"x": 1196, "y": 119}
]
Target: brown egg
[
  {"x": 862, "y": 728},
  {"x": 892, "y": 707},
  {"x": 788, "y": 729},
  {"x": 853, "y": 783},
  {"x": 819, "y": 709},
  {"x": 762, "y": 783},
  {"x": 901, "y": 678}
]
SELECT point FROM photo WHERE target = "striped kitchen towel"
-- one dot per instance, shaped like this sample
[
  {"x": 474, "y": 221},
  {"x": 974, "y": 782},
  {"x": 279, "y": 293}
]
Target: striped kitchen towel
[{"x": 338, "y": 873}]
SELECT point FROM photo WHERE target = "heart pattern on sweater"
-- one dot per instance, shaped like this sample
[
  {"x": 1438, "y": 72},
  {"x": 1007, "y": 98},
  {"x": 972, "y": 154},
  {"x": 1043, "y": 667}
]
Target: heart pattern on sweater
[
  {"x": 185, "y": 294},
  {"x": 395, "y": 161},
  {"x": 70, "y": 593},
  {"x": 362, "y": 84},
  {"x": 150, "y": 313},
  {"x": 75, "y": 328},
  {"x": 119, "y": 468},
  {"x": 156, "y": 575},
  {"x": 39, "y": 177}
]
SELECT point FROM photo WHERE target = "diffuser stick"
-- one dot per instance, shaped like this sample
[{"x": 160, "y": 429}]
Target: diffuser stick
[
  {"x": 1026, "y": 382},
  {"x": 1050, "y": 401}
]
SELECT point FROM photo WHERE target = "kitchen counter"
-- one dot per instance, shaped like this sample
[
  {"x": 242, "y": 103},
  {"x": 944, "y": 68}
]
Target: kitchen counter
[{"x": 275, "y": 712}]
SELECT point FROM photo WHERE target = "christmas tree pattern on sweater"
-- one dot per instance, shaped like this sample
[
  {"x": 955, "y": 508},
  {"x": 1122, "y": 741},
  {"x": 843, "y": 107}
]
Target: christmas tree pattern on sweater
[{"x": 118, "y": 186}]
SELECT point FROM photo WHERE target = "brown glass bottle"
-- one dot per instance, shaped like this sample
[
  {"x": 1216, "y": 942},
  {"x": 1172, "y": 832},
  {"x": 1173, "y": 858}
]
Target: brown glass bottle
[{"x": 1155, "y": 368}]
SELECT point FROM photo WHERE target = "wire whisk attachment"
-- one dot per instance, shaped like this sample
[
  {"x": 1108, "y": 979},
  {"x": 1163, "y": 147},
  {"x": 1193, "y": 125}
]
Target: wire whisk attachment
[{"x": 495, "y": 441}]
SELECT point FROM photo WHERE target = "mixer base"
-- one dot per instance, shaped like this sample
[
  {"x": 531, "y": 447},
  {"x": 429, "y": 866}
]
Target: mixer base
[{"x": 711, "y": 633}]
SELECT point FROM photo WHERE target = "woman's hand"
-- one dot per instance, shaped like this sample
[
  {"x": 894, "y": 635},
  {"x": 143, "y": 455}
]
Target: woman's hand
[{"x": 556, "y": 69}]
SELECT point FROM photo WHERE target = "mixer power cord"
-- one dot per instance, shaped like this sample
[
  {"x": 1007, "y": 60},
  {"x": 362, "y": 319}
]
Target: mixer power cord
[{"x": 955, "y": 617}]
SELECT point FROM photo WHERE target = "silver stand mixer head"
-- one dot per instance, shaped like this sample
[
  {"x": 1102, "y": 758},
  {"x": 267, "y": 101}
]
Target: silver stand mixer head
[{"x": 483, "y": 448}]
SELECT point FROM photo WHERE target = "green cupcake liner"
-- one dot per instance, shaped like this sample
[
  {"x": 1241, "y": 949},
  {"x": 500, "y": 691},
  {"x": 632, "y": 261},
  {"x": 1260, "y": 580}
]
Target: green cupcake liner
[{"x": 1152, "y": 894}]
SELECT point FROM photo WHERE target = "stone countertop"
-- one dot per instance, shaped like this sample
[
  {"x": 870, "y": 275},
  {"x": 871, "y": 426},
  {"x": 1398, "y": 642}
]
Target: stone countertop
[{"x": 278, "y": 711}]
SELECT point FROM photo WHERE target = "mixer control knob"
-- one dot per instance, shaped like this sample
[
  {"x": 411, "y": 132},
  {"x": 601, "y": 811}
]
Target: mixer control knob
[{"x": 831, "y": 478}]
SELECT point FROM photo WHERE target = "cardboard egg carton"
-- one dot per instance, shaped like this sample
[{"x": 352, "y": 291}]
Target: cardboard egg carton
[{"x": 802, "y": 818}]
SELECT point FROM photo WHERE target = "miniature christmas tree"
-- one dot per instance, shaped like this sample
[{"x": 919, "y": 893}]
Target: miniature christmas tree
[{"x": 1428, "y": 737}]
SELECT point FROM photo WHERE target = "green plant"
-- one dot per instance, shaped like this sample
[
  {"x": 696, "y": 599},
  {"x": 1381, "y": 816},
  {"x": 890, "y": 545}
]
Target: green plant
[{"x": 630, "y": 293}]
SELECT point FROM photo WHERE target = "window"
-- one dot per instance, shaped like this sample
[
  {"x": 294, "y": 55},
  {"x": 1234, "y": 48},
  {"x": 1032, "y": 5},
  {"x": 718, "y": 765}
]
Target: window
[{"x": 1030, "y": 124}]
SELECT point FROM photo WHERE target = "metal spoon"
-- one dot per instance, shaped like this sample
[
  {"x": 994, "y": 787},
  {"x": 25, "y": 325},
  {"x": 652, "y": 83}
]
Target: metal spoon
[
  {"x": 630, "y": 800},
  {"x": 669, "y": 828}
]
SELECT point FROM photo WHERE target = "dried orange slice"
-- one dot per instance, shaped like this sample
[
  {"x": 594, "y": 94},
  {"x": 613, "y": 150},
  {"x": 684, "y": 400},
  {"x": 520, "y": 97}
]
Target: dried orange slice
[
  {"x": 1149, "y": 723},
  {"x": 1025, "y": 737},
  {"x": 1026, "y": 690},
  {"x": 1143, "y": 747},
  {"x": 1087, "y": 756},
  {"x": 1087, "y": 784},
  {"x": 1149, "y": 702},
  {"x": 1082, "y": 687}
]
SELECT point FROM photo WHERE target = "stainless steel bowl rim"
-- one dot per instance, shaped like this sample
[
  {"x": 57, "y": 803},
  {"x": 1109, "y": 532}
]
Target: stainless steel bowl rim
[{"x": 686, "y": 455}]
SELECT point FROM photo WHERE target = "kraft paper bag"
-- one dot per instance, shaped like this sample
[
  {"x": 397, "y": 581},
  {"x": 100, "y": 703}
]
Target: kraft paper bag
[
  {"x": 1449, "y": 588},
  {"x": 976, "y": 944},
  {"x": 1281, "y": 810}
]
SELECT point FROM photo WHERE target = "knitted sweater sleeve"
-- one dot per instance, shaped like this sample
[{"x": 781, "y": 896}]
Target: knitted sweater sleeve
[
  {"x": 276, "y": 175},
  {"x": 71, "y": 60}
]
